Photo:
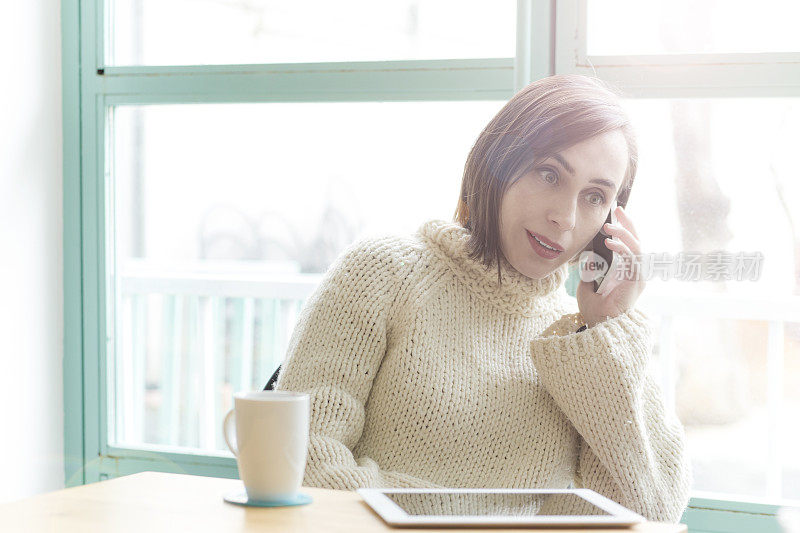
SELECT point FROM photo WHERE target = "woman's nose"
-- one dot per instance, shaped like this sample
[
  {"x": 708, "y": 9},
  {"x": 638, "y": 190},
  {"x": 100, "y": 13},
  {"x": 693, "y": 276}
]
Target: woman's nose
[{"x": 562, "y": 214}]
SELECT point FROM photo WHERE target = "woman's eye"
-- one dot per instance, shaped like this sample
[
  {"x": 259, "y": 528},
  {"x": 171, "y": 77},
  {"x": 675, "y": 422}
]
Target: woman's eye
[
  {"x": 596, "y": 199},
  {"x": 549, "y": 176}
]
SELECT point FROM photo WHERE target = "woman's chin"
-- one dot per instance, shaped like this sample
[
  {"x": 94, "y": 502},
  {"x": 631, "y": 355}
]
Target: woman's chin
[
  {"x": 539, "y": 271},
  {"x": 544, "y": 270},
  {"x": 537, "y": 267}
]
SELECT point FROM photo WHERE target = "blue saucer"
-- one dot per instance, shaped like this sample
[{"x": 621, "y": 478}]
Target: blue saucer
[{"x": 239, "y": 497}]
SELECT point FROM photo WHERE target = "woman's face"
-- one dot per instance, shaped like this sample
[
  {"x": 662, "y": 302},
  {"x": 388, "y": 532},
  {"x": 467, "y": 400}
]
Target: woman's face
[{"x": 565, "y": 206}]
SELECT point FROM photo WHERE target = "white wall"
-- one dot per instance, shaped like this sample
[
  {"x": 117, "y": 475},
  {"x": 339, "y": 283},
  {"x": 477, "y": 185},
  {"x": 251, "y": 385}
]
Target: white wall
[{"x": 31, "y": 331}]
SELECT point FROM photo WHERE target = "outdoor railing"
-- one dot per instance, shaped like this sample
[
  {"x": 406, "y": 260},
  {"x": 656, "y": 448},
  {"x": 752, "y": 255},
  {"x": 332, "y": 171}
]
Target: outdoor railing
[{"x": 189, "y": 341}]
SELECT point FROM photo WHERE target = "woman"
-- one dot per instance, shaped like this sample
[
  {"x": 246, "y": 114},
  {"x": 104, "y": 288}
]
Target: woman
[{"x": 454, "y": 357}]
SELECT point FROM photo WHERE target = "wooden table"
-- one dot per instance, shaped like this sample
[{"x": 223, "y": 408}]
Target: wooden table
[{"x": 152, "y": 501}]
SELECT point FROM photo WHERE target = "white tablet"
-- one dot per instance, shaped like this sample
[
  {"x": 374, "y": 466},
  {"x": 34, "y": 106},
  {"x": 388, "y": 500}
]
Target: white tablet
[{"x": 497, "y": 507}]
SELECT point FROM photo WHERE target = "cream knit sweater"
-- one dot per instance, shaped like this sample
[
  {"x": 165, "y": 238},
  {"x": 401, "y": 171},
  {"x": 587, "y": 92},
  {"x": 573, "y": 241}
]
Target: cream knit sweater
[{"x": 424, "y": 372}]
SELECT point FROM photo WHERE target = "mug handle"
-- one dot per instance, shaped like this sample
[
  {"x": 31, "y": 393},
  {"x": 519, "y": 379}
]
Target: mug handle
[{"x": 225, "y": 433}]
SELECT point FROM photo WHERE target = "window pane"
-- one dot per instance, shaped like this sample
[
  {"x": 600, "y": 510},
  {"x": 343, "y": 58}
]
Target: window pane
[
  {"x": 204, "y": 32},
  {"x": 217, "y": 207},
  {"x": 720, "y": 174},
  {"x": 630, "y": 27}
]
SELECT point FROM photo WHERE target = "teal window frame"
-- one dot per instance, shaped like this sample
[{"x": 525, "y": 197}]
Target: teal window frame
[{"x": 89, "y": 87}]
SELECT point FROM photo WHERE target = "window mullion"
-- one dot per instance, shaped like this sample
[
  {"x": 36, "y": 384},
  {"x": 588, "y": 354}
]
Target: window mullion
[
  {"x": 534, "y": 59},
  {"x": 463, "y": 79}
]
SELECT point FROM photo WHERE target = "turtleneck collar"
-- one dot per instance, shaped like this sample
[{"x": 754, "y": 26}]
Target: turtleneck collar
[{"x": 516, "y": 293}]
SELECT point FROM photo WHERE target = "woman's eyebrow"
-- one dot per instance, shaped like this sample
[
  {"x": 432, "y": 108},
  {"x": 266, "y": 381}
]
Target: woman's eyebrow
[{"x": 601, "y": 181}]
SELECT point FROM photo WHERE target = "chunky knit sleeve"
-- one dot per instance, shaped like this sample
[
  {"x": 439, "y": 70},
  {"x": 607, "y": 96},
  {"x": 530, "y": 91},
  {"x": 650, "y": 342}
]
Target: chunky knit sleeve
[
  {"x": 632, "y": 450},
  {"x": 333, "y": 355}
]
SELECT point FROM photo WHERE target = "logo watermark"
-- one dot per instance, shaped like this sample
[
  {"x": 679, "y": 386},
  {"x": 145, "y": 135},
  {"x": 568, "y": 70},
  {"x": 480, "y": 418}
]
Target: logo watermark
[
  {"x": 683, "y": 266},
  {"x": 592, "y": 266}
]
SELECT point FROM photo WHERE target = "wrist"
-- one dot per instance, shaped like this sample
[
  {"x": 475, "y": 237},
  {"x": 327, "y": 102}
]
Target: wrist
[
  {"x": 579, "y": 322},
  {"x": 592, "y": 323}
]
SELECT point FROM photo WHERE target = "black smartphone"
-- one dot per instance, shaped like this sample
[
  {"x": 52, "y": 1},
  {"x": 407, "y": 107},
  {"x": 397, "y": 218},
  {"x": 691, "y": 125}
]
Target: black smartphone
[{"x": 599, "y": 247}]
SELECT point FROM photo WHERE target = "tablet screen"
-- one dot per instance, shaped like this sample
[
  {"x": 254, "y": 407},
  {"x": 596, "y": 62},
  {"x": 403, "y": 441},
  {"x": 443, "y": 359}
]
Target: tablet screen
[{"x": 494, "y": 504}]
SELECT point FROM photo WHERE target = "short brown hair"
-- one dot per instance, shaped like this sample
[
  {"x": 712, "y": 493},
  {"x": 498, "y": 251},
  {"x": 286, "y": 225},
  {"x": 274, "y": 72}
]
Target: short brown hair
[{"x": 547, "y": 116}]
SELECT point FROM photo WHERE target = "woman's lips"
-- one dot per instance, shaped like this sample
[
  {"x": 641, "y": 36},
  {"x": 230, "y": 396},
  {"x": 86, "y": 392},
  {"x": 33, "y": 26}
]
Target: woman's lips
[
  {"x": 541, "y": 250},
  {"x": 548, "y": 242}
]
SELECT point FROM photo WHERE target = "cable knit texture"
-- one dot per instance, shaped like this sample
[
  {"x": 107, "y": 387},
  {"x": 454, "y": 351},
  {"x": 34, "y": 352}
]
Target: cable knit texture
[{"x": 423, "y": 371}]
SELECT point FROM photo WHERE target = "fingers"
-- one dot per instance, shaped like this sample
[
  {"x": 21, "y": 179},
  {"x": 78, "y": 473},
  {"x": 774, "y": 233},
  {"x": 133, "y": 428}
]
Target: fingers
[
  {"x": 622, "y": 249},
  {"x": 623, "y": 217},
  {"x": 615, "y": 230},
  {"x": 618, "y": 246}
]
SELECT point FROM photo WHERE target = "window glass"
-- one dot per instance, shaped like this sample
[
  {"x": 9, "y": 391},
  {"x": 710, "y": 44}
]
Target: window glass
[
  {"x": 203, "y": 32},
  {"x": 210, "y": 196},
  {"x": 691, "y": 27},
  {"x": 719, "y": 175},
  {"x": 226, "y": 216}
]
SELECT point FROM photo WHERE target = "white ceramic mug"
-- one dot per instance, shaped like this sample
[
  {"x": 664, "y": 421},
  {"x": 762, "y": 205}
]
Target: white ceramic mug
[{"x": 271, "y": 442}]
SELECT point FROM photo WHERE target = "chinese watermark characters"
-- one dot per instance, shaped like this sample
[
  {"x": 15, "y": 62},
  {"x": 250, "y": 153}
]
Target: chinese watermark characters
[{"x": 683, "y": 266}]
